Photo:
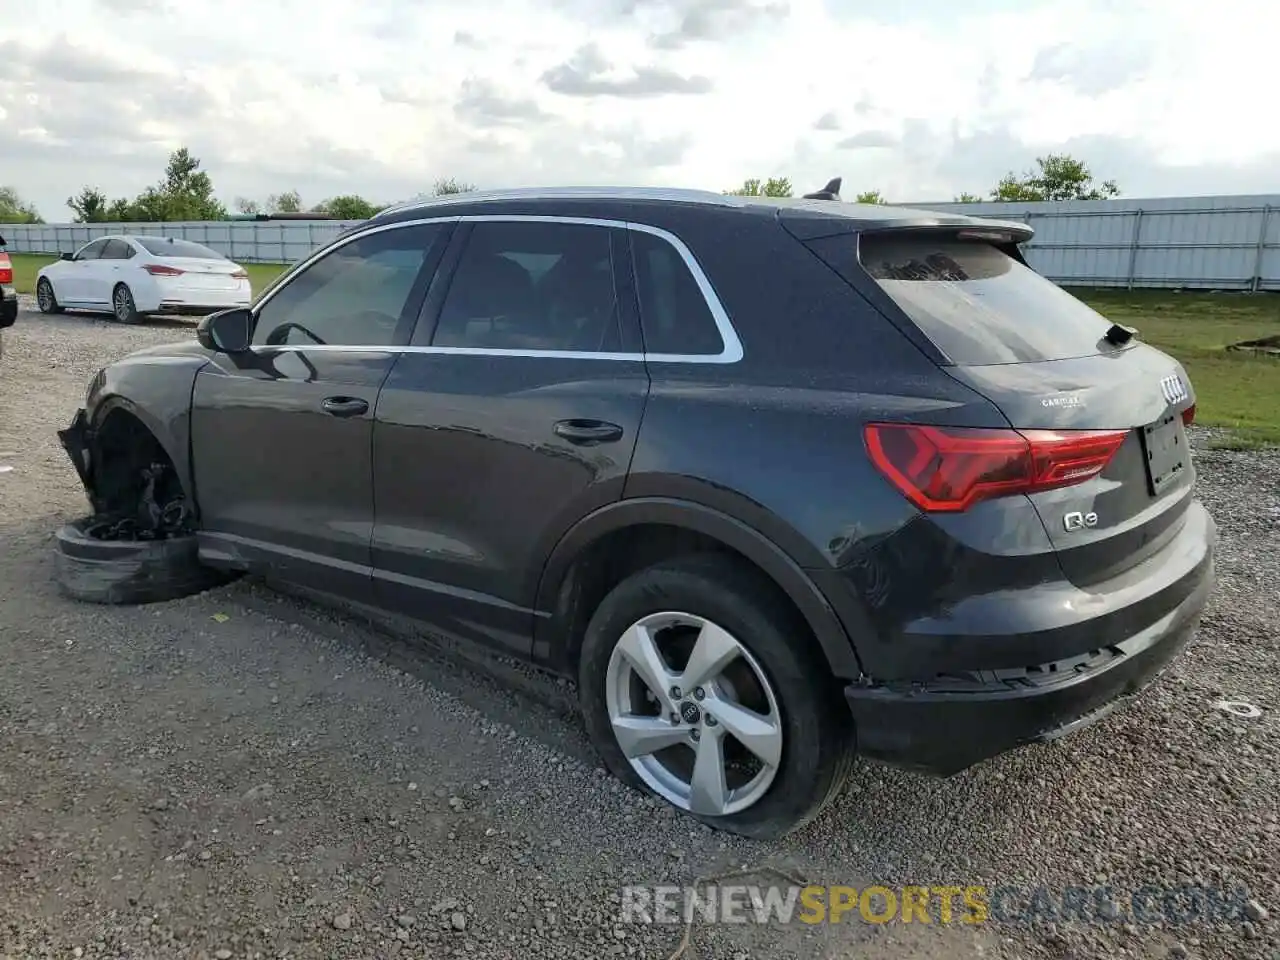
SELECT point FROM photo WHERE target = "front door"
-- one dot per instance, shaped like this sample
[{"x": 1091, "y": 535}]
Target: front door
[
  {"x": 513, "y": 417},
  {"x": 76, "y": 282},
  {"x": 281, "y": 435}
]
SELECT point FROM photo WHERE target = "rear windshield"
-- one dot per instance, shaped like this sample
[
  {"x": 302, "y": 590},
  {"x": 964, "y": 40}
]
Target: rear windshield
[
  {"x": 977, "y": 304},
  {"x": 164, "y": 247}
]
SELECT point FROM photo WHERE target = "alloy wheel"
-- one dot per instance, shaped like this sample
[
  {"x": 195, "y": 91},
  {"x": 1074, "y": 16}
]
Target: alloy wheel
[
  {"x": 122, "y": 301},
  {"x": 694, "y": 713},
  {"x": 44, "y": 296}
]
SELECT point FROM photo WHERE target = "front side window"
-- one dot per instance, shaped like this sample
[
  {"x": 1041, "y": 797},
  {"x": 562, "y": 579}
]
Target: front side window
[
  {"x": 355, "y": 295},
  {"x": 92, "y": 251},
  {"x": 533, "y": 286},
  {"x": 673, "y": 311}
]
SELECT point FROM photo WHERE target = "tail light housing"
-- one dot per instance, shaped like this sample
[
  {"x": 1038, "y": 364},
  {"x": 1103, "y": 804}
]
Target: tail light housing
[
  {"x": 162, "y": 270},
  {"x": 1189, "y": 415},
  {"x": 949, "y": 469},
  {"x": 6, "y": 269}
]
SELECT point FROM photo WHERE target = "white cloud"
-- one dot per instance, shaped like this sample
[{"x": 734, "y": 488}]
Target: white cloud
[{"x": 381, "y": 97}]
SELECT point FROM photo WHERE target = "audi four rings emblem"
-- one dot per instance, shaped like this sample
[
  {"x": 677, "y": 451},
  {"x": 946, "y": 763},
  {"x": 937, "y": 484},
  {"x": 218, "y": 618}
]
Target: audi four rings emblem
[{"x": 1174, "y": 390}]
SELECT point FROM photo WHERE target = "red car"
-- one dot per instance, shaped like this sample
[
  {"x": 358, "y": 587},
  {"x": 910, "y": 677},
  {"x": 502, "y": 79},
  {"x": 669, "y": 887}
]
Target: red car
[{"x": 8, "y": 295}]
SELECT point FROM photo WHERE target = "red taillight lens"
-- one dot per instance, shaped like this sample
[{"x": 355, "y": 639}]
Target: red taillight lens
[
  {"x": 6, "y": 269},
  {"x": 160, "y": 270},
  {"x": 948, "y": 469},
  {"x": 240, "y": 275},
  {"x": 1189, "y": 415}
]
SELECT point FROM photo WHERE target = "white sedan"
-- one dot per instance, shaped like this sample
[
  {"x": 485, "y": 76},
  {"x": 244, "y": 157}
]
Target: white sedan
[{"x": 136, "y": 276}]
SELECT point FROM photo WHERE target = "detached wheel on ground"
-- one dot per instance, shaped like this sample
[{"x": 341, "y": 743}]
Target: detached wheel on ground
[
  {"x": 45, "y": 299},
  {"x": 122, "y": 306},
  {"x": 701, "y": 685},
  {"x": 128, "y": 571}
]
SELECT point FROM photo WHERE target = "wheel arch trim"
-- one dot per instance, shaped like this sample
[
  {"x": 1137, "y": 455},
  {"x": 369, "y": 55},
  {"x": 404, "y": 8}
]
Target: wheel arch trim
[{"x": 837, "y": 646}]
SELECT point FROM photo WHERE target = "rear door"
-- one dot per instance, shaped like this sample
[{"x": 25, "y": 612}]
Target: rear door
[
  {"x": 513, "y": 415},
  {"x": 282, "y": 436},
  {"x": 106, "y": 272},
  {"x": 1043, "y": 357}
]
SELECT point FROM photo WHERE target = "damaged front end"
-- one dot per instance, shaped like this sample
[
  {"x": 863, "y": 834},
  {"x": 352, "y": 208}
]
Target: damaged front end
[{"x": 129, "y": 479}]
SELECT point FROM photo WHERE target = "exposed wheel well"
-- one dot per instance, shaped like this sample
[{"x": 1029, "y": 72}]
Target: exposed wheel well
[
  {"x": 612, "y": 558},
  {"x": 124, "y": 458}
]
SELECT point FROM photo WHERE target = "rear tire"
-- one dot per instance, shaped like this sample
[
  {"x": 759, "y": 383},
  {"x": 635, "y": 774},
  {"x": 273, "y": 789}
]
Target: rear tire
[
  {"x": 774, "y": 672},
  {"x": 123, "y": 308},
  {"x": 129, "y": 571},
  {"x": 45, "y": 298}
]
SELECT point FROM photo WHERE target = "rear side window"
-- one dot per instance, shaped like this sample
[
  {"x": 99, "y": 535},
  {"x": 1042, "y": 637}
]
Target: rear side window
[
  {"x": 169, "y": 247},
  {"x": 977, "y": 304},
  {"x": 533, "y": 286},
  {"x": 673, "y": 311}
]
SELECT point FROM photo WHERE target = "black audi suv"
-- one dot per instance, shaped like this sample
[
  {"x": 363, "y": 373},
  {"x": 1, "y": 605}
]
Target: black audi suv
[{"x": 777, "y": 481}]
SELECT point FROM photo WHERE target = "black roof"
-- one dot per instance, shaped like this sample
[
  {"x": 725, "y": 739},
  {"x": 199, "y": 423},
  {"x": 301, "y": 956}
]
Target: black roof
[{"x": 807, "y": 218}]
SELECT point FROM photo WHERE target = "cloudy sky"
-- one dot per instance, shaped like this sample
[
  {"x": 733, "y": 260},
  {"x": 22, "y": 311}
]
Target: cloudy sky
[{"x": 381, "y": 97}]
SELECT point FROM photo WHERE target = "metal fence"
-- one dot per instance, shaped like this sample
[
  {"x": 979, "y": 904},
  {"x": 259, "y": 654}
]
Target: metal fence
[
  {"x": 249, "y": 241},
  {"x": 1215, "y": 243},
  {"x": 1223, "y": 243}
]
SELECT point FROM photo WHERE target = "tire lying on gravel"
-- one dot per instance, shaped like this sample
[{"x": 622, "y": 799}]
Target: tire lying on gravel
[
  {"x": 750, "y": 734},
  {"x": 129, "y": 571}
]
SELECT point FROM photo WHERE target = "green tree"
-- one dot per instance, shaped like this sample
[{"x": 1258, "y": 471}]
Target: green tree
[
  {"x": 1056, "y": 177},
  {"x": 968, "y": 198},
  {"x": 121, "y": 211},
  {"x": 347, "y": 207},
  {"x": 871, "y": 196},
  {"x": 773, "y": 187},
  {"x": 185, "y": 193},
  {"x": 89, "y": 205},
  {"x": 288, "y": 202},
  {"x": 448, "y": 185},
  {"x": 14, "y": 210},
  {"x": 247, "y": 206}
]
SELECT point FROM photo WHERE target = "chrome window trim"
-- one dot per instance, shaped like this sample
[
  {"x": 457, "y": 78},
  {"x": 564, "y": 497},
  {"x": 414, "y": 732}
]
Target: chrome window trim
[{"x": 731, "y": 351}]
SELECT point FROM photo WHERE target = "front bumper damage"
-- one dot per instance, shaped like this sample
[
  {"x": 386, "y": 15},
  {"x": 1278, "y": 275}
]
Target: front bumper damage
[
  {"x": 77, "y": 441},
  {"x": 132, "y": 498}
]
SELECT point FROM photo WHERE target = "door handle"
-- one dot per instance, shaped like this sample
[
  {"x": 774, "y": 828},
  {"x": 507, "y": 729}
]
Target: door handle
[
  {"x": 344, "y": 406},
  {"x": 587, "y": 432}
]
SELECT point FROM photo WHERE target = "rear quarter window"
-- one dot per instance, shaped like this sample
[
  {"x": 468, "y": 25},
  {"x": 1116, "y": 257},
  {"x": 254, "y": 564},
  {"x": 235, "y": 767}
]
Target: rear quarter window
[
  {"x": 673, "y": 311},
  {"x": 977, "y": 304}
]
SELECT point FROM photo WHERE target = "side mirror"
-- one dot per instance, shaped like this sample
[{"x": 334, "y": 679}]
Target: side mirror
[
  {"x": 66, "y": 256},
  {"x": 228, "y": 331}
]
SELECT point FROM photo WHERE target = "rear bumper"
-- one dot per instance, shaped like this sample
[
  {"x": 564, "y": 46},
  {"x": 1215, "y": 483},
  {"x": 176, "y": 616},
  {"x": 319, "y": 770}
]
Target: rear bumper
[{"x": 944, "y": 725}]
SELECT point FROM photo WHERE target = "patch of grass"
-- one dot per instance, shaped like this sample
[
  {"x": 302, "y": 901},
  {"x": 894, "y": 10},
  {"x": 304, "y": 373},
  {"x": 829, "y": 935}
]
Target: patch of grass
[
  {"x": 27, "y": 265},
  {"x": 1236, "y": 390}
]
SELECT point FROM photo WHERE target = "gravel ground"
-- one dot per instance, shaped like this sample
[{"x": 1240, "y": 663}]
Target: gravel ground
[{"x": 284, "y": 779}]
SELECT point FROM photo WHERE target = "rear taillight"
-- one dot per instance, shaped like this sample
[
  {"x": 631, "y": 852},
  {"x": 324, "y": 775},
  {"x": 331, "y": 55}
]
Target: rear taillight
[
  {"x": 948, "y": 469},
  {"x": 6, "y": 269},
  {"x": 240, "y": 275},
  {"x": 160, "y": 270},
  {"x": 1189, "y": 415}
]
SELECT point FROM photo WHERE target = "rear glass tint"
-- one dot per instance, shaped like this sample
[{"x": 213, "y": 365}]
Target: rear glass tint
[
  {"x": 166, "y": 247},
  {"x": 977, "y": 304}
]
